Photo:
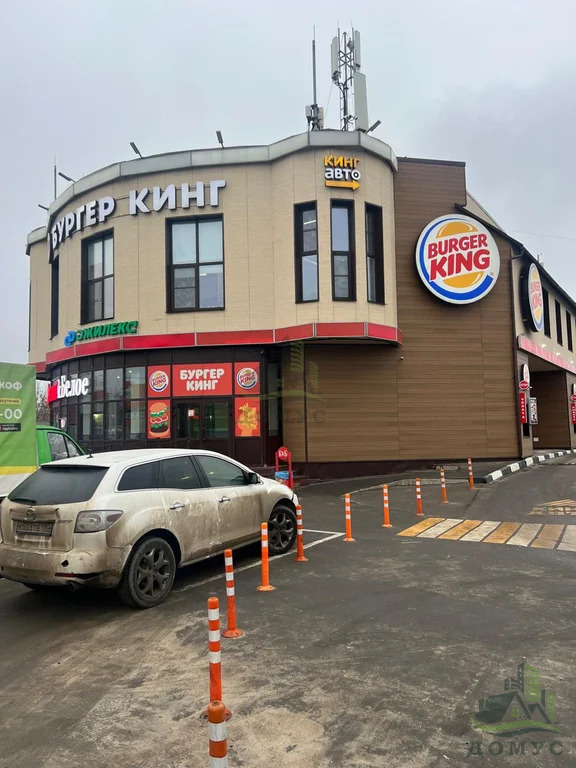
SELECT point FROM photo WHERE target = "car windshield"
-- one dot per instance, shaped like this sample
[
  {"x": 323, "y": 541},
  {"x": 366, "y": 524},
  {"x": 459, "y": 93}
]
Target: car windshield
[{"x": 58, "y": 485}]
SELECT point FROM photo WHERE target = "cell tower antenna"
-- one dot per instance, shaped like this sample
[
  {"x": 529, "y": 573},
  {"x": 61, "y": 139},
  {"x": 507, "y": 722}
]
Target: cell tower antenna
[
  {"x": 345, "y": 67},
  {"x": 314, "y": 113}
]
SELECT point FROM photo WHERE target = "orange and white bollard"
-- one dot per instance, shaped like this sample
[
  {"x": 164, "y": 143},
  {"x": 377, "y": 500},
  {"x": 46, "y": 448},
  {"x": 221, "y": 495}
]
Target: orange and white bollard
[
  {"x": 470, "y": 474},
  {"x": 347, "y": 508},
  {"x": 419, "y": 510},
  {"x": 217, "y": 735},
  {"x": 299, "y": 537},
  {"x": 265, "y": 586},
  {"x": 214, "y": 649},
  {"x": 386, "y": 523},
  {"x": 231, "y": 629},
  {"x": 443, "y": 486}
]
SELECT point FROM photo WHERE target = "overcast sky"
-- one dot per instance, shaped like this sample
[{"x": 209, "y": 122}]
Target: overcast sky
[{"x": 491, "y": 83}]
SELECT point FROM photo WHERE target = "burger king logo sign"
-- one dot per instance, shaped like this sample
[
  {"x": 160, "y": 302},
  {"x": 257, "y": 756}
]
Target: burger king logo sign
[
  {"x": 535, "y": 298},
  {"x": 457, "y": 259},
  {"x": 247, "y": 378},
  {"x": 158, "y": 381}
]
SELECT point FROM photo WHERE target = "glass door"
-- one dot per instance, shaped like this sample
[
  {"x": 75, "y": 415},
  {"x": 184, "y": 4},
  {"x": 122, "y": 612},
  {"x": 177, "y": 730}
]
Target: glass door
[{"x": 204, "y": 424}]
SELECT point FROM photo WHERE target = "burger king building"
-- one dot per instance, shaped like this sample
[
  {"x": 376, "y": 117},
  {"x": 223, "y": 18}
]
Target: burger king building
[{"x": 320, "y": 293}]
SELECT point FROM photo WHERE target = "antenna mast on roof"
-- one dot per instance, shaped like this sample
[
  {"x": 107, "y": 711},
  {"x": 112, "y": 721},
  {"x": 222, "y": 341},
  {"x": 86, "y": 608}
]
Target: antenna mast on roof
[
  {"x": 314, "y": 113},
  {"x": 346, "y": 74}
]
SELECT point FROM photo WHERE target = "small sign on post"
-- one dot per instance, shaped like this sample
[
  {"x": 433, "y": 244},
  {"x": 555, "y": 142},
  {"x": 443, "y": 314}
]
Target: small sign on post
[
  {"x": 284, "y": 476},
  {"x": 523, "y": 409}
]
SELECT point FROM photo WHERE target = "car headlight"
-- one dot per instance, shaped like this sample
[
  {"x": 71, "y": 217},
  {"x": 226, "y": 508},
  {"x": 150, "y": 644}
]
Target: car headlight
[{"x": 92, "y": 520}]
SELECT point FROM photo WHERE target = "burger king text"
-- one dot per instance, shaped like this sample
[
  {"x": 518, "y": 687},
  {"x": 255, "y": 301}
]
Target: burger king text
[
  {"x": 454, "y": 255},
  {"x": 201, "y": 379}
]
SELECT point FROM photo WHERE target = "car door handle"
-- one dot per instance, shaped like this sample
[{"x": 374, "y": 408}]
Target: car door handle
[
  {"x": 177, "y": 505},
  {"x": 223, "y": 499}
]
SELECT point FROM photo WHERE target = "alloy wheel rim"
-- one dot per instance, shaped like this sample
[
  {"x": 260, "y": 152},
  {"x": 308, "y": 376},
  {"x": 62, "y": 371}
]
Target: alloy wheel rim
[
  {"x": 280, "y": 529},
  {"x": 152, "y": 572}
]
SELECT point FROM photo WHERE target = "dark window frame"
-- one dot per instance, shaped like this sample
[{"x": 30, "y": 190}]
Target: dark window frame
[
  {"x": 170, "y": 268},
  {"x": 546, "y": 302},
  {"x": 54, "y": 295},
  {"x": 377, "y": 256},
  {"x": 351, "y": 253},
  {"x": 85, "y": 319},
  {"x": 558, "y": 316},
  {"x": 569, "y": 337},
  {"x": 300, "y": 254}
]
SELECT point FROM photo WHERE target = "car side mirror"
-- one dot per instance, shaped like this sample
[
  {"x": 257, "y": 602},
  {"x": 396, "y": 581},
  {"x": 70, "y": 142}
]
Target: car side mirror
[{"x": 253, "y": 478}]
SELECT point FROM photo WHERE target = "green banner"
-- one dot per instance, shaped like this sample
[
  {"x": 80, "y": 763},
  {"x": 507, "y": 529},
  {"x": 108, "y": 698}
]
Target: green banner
[{"x": 18, "y": 451}]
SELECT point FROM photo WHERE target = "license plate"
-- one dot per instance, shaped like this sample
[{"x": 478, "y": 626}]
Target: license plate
[{"x": 38, "y": 529}]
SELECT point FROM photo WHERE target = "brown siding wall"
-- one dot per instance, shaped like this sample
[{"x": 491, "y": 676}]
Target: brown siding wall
[
  {"x": 456, "y": 394},
  {"x": 553, "y": 428}
]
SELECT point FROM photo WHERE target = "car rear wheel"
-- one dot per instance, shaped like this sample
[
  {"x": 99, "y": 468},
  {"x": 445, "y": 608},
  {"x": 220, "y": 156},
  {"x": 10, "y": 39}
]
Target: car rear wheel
[
  {"x": 281, "y": 530},
  {"x": 149, "y": 574}
]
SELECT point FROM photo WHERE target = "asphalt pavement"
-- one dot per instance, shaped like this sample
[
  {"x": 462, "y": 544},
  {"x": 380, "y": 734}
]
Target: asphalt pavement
[{"x": 373, "y": 654}]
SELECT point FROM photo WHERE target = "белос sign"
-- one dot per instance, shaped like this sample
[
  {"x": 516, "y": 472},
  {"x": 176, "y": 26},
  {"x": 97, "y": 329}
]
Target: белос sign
[
  {"x": 17, "y": 419},
  {"x": 100, "y": 331},
  {"x": 98, "y": 211}
]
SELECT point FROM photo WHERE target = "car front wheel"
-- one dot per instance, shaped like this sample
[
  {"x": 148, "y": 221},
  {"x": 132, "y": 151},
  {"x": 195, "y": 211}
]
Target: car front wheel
[
  {"x": 149, "y": 574},
  {"x": 281, "y": 530}
]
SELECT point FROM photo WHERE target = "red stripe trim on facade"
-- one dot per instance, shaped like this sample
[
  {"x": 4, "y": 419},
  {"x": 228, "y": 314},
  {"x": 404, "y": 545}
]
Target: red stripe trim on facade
[
  {"x": 163, "y": 340},
  {"x": 544, "y": 354},
  {"x": 294, "y": 332},
  {"x": 227, "y": 338}
]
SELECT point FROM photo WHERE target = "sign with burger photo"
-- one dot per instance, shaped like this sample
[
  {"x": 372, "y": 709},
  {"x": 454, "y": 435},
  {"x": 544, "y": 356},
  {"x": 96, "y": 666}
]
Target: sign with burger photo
[{"x": 158, "y": 418}]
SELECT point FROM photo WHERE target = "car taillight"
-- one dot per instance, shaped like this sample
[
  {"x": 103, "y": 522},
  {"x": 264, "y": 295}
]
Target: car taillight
[{"x": 93, "y": 520}]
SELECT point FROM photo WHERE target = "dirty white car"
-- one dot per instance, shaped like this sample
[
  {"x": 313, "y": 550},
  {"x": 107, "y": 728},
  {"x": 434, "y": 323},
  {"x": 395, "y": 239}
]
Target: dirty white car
[{"x": 128, "y": 519}]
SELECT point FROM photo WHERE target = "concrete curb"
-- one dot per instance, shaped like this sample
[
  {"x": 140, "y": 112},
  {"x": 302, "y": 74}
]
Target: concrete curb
[{"x": 516, "y": 466}]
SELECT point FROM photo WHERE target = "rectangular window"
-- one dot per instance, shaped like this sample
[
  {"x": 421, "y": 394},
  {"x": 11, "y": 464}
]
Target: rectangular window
[
  {"x": 546, "y": 301},
  {"x": 569, "y": 330},
  {"x": 98, "y": 279},
  {"x": 54, "y": 295},
  {"x": 195, "y": 265},
  {"x": 374, "y": 254},
  {"x": 306, "y": 252},
  {"x": 558, "y": 312},
  {"x": 343, "y": 241}
]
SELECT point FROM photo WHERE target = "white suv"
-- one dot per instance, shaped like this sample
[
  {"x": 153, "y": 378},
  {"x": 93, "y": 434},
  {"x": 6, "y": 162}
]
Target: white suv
[{"x": 128, "y": 519}]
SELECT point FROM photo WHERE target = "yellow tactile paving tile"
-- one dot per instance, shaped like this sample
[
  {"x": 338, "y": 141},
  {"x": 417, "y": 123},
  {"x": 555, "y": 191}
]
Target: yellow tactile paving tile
[
  {"x": 460, "y": 530},
  {"x": 423, "y": 525},
  {"x": 502, "y": 533},
  {"x": 548, "y": 537}
]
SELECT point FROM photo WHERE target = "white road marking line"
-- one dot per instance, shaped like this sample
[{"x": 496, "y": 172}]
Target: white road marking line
[
  {"x": 311, "y": 530},
  {"x": 481, "y": 532},
  {"x": 525, "y": 535},
  {"x": 568, "y": 542},
  {"x": 256, "y": 564},
  {"x": 439, "y": 528}
]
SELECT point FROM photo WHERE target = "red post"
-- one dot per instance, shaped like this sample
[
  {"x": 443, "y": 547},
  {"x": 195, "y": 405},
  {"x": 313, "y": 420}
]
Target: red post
[
  {"x": 214, "y": 649},
  {"x": 218, "y": 744},
  {"x": 347, "y": 508},
  {"x": 470, "y": 474},
  {"x": 418, "y": 497},
  {"x": 299, "y": 537},
  {"x": 443, "y": 486},
  {"x": 231, "y": 630},
  {"x": 265, "y": 586},
  {"x": 386, "y": 507}
]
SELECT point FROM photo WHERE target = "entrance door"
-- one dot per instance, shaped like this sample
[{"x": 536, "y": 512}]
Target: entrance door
[{"x": 204, "y": 423}]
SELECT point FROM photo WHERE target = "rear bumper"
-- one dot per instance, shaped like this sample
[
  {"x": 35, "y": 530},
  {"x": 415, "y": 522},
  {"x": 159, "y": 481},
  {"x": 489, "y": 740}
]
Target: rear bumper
[{"x": 99, "y": 569}]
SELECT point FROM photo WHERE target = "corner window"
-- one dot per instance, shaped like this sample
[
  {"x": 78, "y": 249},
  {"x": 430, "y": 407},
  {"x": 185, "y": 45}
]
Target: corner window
[
  {"x": 546, "y": 302},
  {"x": 569, "y": 330},
  {"x": 97, "y": 279},
  {"x": 195, "y": 265},
  {"x": 306, "y": 252},
  {"x": 343, "y": 262},
  {"x": 558, "y": 313},
  {"x": 54, "y": 294},
  {"x": 374, "y": 254}
]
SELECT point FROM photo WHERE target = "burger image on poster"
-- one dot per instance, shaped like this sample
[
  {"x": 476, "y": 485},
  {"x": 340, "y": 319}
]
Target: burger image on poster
[
  {"x": 457, "y": 259},
  {"x": 158, "y": 419}
]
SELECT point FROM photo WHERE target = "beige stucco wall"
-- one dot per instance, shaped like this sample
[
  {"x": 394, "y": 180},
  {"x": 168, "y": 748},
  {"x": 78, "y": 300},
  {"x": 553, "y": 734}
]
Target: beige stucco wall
[{"x": 257, "y": 206}]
